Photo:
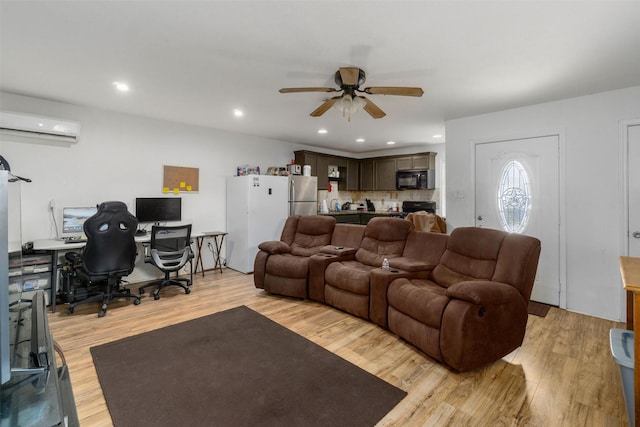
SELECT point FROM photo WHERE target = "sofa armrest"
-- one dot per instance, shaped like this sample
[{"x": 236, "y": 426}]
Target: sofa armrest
[
  {"x": 483, "y": 292},
  {"x": 317, "y": 265},
  {"x": 410, "y": 264},
  {"x": 482, "y": 322},
  {"x": 275, "y": 247},
  {"x": 379, "y": 282},
  {"x": 338, "y": 250}
]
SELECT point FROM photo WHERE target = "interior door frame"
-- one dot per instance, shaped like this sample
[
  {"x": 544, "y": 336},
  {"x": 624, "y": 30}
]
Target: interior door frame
[
  {"x": 623, "y": 149},
  {"x": 562, "y": 250},
  {"x": 624, "y": 126}
]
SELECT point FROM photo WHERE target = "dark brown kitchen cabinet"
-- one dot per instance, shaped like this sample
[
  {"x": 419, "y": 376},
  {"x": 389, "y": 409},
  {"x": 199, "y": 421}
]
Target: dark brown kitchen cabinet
[
  {"x": 307, "y": 158},
  {"x": 367, "y": 175},
  {"x": 385, "y": 174},
  {"x": 418, "y": 161},
  {"x": 404, "y": 163},
  {"x": 352, "y": 181},
  {"x": 376, "y": 173},
  {"x": 323, "y": 172}
]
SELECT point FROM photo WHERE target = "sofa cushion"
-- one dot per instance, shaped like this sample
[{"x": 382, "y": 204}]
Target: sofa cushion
[
  {"x": 383, "y": 238},
  {"x": 350, "y": 276},
  {"x": 312, "y": 234},
  {"x": 471, "y": 254},
  {"x": 347, "y": 235},
  {"x": 287, "y": 265},
  {"x": 422, "y": 300},
  {"x": 425, "y": 246}
]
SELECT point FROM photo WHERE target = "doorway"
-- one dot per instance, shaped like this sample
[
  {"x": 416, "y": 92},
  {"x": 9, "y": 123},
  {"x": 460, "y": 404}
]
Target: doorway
[
  {"x": 633, "y": 188},
  {"x": 517, "y": 189}
]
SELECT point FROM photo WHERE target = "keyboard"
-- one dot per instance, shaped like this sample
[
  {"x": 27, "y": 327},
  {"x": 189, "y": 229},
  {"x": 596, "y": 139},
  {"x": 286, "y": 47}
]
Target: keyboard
[{"x": 74, "y": 239}]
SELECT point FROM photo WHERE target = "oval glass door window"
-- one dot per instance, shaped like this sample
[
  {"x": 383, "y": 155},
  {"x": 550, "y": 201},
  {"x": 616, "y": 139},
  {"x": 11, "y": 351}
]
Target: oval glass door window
[{"x": 514, "y": 197}]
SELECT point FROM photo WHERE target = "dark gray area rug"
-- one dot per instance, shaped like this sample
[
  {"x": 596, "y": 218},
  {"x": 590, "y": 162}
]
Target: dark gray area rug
[
  {"x": 538, "y": 308},
  {"x": 235, "y": 368}
]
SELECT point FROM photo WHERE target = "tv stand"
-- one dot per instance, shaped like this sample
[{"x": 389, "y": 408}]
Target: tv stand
[{"x": 38, "y": 393}]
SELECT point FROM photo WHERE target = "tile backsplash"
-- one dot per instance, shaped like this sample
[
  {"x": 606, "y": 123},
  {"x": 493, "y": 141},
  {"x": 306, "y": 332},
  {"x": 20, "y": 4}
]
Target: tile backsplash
[{"x": 382, "y": 200}]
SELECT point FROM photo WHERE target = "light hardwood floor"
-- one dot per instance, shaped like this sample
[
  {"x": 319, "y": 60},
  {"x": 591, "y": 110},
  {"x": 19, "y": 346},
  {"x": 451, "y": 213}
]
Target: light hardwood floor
[{"x": 563, "y": 375}]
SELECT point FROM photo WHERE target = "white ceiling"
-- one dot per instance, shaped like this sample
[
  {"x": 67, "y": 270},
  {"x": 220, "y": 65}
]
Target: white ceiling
[{"x": 194, "y": 62}]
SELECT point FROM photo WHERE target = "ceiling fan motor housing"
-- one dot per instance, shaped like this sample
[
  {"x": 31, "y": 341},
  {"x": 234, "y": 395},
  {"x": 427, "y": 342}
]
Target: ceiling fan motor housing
[{"x": 361, "y": 79}]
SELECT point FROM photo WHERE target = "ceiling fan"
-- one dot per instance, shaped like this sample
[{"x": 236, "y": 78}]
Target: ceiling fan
[{"x": 349, "y": 79}]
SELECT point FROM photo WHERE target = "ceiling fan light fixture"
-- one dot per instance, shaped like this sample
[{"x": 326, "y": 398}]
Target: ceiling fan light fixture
[{"x": 349, "y": 105}]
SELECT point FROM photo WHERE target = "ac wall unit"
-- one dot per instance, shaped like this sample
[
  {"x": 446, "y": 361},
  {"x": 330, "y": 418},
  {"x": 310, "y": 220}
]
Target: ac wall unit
[{"x": 29, "y": 128}]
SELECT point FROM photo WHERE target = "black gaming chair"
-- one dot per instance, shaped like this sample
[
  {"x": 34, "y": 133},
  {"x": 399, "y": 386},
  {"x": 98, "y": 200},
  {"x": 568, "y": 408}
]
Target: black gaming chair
[{"x": 108, "y": 256}]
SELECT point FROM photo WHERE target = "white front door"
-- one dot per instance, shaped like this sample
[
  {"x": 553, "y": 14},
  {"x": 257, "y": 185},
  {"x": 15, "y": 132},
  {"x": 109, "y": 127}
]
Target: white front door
[
  {"x": 517, "y": 190},
  {"x": 633, "y": 186}
]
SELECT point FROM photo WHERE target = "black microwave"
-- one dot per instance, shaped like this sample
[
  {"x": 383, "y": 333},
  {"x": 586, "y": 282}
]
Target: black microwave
[{"x": 416, "y": 179}]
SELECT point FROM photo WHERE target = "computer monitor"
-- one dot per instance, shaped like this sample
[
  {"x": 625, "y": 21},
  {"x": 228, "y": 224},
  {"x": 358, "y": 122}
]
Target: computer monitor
[
  {"x": 73, "y": 218},
  {"x": 158, "y": 209}
]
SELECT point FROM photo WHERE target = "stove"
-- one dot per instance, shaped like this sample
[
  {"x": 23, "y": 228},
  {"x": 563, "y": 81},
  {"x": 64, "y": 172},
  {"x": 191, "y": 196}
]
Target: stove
[{"x": 411, "y": 206}]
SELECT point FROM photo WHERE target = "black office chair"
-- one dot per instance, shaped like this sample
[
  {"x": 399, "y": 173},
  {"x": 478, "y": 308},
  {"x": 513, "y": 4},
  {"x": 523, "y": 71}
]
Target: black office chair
[
  {"x": 108, "y": 256},
  {"x": 170, "y": 250}
]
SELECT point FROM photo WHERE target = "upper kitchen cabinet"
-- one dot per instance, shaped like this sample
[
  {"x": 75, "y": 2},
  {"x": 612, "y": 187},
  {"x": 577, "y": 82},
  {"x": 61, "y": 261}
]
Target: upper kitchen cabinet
[
  {"x": 352, "y": 179},
  {"x": 367, "y": 175},
  {"x": 417, "y": 161},
  {"x": 307, "y": 158},
  {"x": 323, "y": 172},
  {"x": 372, "y": 174},
  {"x": 385, "y": 174}
]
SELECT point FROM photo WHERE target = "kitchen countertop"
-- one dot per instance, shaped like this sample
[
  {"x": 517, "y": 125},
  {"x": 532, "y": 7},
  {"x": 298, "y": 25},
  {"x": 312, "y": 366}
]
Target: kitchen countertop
[{"x": 331, "y": 213}]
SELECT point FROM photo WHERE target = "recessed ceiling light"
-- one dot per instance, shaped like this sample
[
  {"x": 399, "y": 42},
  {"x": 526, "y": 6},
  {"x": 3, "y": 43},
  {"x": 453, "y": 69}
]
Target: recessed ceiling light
[
  {"x": 391, "y": 142},
  {"x": 122, "y": 87},
  {"x": 360, "y": 140},
  {"x": 437, "y": 136},
  {"x": 238, "y": 112},
  {"x": 322, "y": 131}
]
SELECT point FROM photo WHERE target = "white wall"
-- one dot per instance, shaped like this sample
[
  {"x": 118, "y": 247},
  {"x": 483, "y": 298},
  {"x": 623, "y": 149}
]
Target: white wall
[
  {"x": 589, "y": 129},
  {"x": 121, "y": 157}
]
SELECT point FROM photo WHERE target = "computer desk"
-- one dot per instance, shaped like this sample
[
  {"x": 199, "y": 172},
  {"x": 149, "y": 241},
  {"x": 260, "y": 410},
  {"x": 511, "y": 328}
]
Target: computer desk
[{"x": 56, "y": 246}]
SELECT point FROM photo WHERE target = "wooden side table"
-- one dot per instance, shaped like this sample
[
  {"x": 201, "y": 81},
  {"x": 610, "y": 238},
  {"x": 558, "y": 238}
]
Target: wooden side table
[
  {"x": 630, "y": 270},
  {"x": 218, "y": 239}
]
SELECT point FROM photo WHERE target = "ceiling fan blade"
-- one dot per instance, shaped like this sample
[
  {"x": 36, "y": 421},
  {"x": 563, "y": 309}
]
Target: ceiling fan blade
[
  {"x": 349, "y": 75},
  {"x": 390, "y": 90},
  {"x": 307, "y": 89},
  {"x": 373, "y": 109},
  {"x": 324, "y": 107}
]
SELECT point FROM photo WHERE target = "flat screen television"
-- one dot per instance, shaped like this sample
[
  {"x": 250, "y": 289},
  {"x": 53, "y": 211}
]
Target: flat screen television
[
  {"x": 158, "y": 209},
  {"x": 73, "y": 218}
]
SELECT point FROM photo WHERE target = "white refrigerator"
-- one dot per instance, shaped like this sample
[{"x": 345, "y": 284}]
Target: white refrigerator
[{"x": 257, "y": 207}]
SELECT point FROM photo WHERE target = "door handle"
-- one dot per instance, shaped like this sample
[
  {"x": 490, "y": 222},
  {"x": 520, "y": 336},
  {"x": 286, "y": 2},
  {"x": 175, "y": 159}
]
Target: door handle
[{"x": 636, "y": 234}]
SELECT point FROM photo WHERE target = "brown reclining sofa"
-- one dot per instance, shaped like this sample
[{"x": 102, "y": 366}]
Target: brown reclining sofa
[{"x": 460, "y": 298}]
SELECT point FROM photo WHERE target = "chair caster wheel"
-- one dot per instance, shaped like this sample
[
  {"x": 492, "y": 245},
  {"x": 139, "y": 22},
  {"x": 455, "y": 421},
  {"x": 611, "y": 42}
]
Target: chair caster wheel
[
  {"x": 103, "y": 310},
  {"x": 70, "y": 310},
  {"x": 187, "y": 291},
  {"x": 141, "y": 291},
  {"x": 136, "y": 301},
  {"x": 156, "y": 296}
]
